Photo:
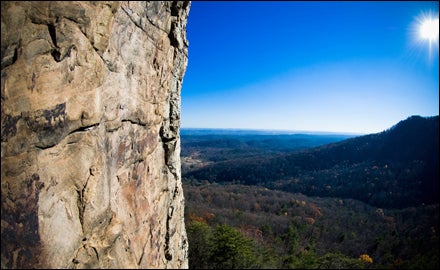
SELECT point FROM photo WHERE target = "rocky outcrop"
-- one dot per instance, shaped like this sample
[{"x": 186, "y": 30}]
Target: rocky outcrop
[{"x": 90, "y": 145}]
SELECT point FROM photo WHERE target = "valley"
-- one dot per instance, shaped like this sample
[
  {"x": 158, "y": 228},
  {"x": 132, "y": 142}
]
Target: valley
[{"x": 314, "y": 201}]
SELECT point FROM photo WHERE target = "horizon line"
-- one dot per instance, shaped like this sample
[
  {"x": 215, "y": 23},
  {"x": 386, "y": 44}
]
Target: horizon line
[{"x": 289, "y": 131}]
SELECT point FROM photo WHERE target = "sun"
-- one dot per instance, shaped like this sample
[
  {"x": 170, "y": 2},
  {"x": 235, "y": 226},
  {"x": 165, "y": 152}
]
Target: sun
[
  {"x": 428, "y": 29},
  {"x": 425, "y": 33}
]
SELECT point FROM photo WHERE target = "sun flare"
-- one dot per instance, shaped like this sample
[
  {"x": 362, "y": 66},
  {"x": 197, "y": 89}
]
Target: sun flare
[
  {"x": 425, "y": 33},
  {"x": 429, "y": 29}
]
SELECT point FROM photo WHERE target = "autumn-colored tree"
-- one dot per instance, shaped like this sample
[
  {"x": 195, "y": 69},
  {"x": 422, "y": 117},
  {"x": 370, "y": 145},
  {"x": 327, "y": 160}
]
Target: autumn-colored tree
[{"x": 366, "y": 258}]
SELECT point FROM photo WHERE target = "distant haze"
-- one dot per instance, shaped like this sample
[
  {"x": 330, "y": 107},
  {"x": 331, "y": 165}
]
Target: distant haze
[{"x": 233, "y": 131}]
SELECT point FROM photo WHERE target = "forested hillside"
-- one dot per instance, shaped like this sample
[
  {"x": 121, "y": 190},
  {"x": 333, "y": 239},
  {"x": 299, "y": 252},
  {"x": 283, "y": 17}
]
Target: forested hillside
[
  {"x": 395, "y": 168},
  {"x": 235, "y": 226},
  {"x": 286, "y": 201}
]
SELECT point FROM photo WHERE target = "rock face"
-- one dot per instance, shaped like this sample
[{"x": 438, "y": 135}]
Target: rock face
[{"x": 90, "y": 144}]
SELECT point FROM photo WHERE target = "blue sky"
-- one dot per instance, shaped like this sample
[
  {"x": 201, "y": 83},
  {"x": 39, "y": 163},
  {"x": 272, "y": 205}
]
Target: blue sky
[{"x": 356, "y": 67}]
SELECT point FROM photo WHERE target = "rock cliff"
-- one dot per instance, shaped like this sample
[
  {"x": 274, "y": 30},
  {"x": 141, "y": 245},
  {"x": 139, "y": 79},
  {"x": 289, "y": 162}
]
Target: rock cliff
[{"x": 90, "y": 144}]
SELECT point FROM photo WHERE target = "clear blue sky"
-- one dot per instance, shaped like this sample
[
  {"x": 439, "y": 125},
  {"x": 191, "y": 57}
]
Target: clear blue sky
[{"x": 317, "y": 66}]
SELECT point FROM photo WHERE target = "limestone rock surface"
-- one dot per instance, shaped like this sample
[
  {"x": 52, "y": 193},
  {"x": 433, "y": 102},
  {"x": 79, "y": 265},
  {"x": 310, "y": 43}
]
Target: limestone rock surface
[{"x": 90, "y": 144}]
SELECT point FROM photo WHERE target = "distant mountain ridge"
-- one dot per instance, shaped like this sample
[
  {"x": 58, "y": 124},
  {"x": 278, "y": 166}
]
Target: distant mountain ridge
[{"x": 394, "y": 168}]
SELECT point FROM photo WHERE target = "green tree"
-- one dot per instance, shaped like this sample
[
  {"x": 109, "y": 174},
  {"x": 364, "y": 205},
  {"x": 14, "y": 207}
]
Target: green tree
[
  {"x": 199, "y": 234},
  {"x": 306, "y": 259},
  {"x": 230, "y": 249},
  {"x": 340, "y": 261}
]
